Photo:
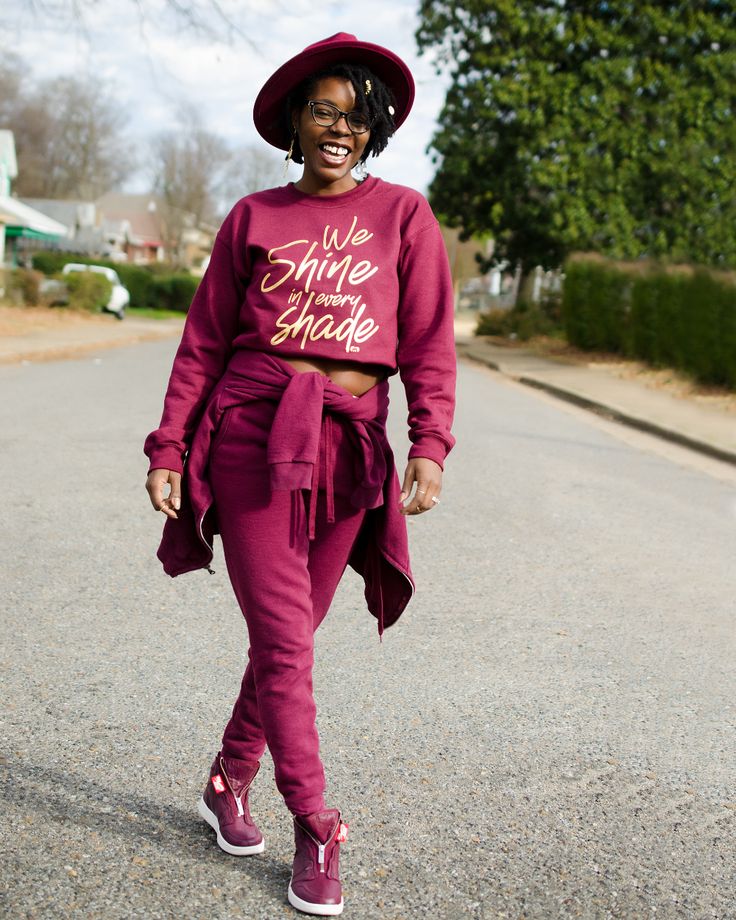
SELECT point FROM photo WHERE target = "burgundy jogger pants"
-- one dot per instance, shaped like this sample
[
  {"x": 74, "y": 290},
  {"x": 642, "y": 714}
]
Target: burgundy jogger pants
[{"x": 284, "y": 583}]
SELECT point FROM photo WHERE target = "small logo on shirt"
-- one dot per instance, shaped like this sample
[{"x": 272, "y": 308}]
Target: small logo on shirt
[{"x": 218, "y": 784}]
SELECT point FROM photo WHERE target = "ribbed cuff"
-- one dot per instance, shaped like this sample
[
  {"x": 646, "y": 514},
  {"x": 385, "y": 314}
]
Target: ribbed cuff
[
  {"x": 166, "y": 458},
  {"x": 431, "y": 449}
]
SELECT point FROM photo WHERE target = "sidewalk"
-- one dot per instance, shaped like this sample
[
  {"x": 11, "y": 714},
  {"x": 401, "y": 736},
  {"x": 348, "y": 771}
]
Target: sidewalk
[
  {"x": 700, "y": 428},
  {"x": 50, "y": 338}
]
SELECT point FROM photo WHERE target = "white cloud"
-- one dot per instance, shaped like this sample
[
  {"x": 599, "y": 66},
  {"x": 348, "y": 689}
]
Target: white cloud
[{"x": 153, "y": 66}]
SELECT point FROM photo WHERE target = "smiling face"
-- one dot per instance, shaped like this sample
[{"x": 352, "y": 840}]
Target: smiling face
[{"x": 329, "y": 153}]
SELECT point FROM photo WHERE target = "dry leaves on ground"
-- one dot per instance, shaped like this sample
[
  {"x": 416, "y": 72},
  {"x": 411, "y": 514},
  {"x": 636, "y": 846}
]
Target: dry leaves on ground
[{"x": 24, "y": 320}]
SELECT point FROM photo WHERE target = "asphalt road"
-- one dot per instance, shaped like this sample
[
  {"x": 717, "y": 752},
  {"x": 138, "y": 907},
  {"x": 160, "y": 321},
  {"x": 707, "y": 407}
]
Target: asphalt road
[{"x": 548, "y": 732}]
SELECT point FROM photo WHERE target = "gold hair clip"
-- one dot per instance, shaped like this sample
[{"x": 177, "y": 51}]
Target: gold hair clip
[{"x": 368, "y": 87}]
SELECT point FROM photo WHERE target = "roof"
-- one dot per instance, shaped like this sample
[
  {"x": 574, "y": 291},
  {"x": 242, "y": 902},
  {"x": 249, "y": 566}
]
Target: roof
[
  {"x": 142, "y": 213},
  {"x": 74, "y": 214},
  {"x": 16, "y": 214}
]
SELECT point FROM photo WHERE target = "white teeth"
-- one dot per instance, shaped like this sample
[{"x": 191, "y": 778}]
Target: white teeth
[{"x": 336, "y": 151}]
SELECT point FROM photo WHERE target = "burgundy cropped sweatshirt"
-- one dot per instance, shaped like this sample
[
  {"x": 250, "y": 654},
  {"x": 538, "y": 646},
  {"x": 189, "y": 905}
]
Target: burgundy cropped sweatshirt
[{"x": 361, "y": 276}]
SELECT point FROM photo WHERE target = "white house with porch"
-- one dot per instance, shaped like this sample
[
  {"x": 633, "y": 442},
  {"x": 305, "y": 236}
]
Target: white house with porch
[{"x": 18, "y": 221}]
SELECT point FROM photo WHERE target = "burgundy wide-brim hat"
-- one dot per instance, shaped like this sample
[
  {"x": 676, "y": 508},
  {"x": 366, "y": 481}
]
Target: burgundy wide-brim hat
[{"x": 342, "y": 48}]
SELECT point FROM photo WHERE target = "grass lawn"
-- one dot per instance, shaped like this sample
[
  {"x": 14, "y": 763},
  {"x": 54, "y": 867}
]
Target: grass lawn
[{"x": 153, "y": 313}]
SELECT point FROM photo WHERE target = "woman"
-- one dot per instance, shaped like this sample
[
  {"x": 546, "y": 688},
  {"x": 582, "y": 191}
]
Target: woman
[{"x": 315, "y": 294}]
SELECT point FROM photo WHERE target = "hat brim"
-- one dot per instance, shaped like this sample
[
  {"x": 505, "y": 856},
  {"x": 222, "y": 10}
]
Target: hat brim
[{"x": 268, "y": 110}]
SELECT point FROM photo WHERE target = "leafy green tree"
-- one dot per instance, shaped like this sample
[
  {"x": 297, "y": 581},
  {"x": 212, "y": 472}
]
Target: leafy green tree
[{"x": 607, "y": 125}]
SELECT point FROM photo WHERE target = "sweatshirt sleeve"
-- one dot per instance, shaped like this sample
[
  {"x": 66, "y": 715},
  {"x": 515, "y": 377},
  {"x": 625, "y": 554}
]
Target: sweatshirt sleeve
[
  {"x": 426, "y": 346},
  {"x": 206, "y": 344}
]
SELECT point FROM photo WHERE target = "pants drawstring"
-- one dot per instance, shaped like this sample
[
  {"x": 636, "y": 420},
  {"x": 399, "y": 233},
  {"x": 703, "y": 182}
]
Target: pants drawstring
[
  {"x": 313, "y": 493},
  {"x": 329, "y": 471},
  {"x": 324, "y": 454}
]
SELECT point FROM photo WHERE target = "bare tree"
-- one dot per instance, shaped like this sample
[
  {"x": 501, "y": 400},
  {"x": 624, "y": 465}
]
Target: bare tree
[
  {"x": 188, "y": 168},
  {"x": 207, "y": 18},
  {"x": 252, "y": 168},
  {"x": 11, "y": 80},
  {"x": 67, "y": 137}
]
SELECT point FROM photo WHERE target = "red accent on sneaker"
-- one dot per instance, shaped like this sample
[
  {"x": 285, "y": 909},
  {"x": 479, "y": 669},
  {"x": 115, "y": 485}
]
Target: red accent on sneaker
[
  {"x": 342, "y": 834},
  {"x": 224, "y": 806},
  {"x": 218, "y": 784}
]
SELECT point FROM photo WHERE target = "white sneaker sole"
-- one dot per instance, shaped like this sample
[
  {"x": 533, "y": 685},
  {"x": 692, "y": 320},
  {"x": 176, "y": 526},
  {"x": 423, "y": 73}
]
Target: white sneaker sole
[
  {"x": 321, "y": 910},
  {"x": 211, "y": 818}
]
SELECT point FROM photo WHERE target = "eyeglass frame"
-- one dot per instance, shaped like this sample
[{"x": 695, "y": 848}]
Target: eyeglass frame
[{"x": 340, "y": 114}]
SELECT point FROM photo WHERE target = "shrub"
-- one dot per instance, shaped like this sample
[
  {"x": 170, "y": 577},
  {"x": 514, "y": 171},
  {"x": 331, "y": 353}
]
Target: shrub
[
  {"x": 153, "y": 285},
  {"x": 494, "y": 322},
  {"x": 655, "y": 324},
  {"x": 52, "y": 262},
  {"x": 525, "y": 320},
  {"x": 726, "y": 351},
  {"x": 172, "y": 292},
  {"x": 678, "y": 318},
  {"x": 137, "y": 280},
  {"x": 530, "y": 319},
  {"x": 595, "y": 303},
  {"x": 23, "y": 286},
  {"x": 88, "y": 290},
  {"x": 710, "y": 327}
]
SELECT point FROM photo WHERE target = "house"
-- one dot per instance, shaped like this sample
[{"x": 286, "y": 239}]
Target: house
[
  {"x": 137, "y": 228},
  {"x": 22, "y": 227},
  {"x": 124, "y": 228},
  {"x": 80, "y": 219},
  {"x": 147, "y": 229},
  {"x": 133, "y": 225}
]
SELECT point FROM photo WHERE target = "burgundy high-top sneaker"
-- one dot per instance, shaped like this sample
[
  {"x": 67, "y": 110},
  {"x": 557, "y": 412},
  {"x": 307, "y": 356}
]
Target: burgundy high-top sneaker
[
  {"x": 315, "y": 879},
  {"x": 224, "y": 806}
]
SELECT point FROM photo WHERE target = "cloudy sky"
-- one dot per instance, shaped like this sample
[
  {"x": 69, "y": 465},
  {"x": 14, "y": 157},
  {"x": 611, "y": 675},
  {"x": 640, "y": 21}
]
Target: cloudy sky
[{"x": 154, "y": 64}]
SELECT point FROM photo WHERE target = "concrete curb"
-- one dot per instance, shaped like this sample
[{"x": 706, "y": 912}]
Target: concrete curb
[{"x": 603, "y": 409}]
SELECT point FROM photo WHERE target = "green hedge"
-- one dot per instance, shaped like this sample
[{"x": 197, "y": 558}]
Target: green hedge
[
  {"x": 88, "y": 290},
  {"x": 172, "y": 292},
  {"x": 668, "y": 318},
  {"x": 148, "y": 286}
]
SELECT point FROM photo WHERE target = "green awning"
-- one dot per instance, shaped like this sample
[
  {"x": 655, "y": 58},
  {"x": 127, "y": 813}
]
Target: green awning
[{"x": 28, "y": 234}]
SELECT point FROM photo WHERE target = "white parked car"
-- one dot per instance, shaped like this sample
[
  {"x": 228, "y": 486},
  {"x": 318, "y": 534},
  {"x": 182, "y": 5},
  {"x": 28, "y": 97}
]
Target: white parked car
[{"x": 120, "y": 296}]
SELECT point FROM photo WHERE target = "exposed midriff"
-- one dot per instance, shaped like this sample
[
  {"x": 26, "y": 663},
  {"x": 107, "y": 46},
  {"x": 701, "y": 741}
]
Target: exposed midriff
[{"x": 355, "y": 378}]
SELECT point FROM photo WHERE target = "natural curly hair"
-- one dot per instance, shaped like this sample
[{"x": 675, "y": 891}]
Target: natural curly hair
[{"x": 376, "y": 104}]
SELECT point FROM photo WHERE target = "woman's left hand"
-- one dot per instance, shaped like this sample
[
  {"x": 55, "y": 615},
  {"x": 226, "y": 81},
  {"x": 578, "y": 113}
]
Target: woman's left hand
[{"x": 428, "y": 478}]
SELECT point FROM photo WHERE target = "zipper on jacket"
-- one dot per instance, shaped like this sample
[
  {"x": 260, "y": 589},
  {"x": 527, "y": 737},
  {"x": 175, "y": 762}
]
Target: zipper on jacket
[{"x": 209, "y": 568}]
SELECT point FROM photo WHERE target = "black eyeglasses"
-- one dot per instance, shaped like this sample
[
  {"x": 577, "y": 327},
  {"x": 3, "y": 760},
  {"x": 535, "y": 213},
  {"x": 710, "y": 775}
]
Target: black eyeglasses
[{"x": 325, "y": 114}]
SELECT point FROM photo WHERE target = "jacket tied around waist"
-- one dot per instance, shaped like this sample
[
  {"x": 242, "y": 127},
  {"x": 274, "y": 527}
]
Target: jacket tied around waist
[{"x": 299, "y": 437}]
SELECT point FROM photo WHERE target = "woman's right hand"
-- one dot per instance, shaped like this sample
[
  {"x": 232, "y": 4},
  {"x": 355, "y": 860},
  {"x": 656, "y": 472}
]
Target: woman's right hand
[{"x": 155, "y": 484}]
